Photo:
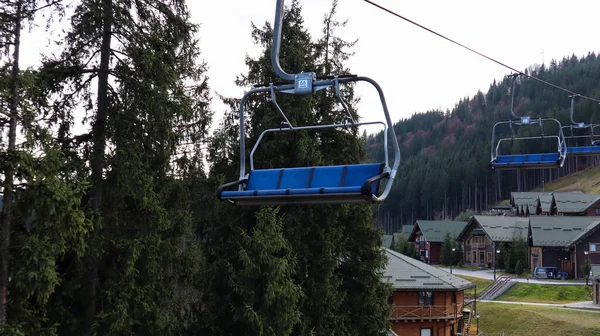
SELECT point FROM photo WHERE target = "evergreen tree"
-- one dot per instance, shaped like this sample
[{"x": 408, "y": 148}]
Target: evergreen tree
[
  {"x": 339, "y": 259},
  {"x": 459, "y": 255},
  {"x": 40, "y": 219},
  {"x": 150, "y": 104},
  {"x": 586, "y": 268},
  {"x": 518, "y": 268},
  {"x": 447, "y": 257}
]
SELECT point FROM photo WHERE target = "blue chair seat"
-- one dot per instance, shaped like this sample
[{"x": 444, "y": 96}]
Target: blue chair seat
[
  {"x": 584, "y": 150},
  {"x": 524, "y": 161},
  {"x": 307, "y": 185}
]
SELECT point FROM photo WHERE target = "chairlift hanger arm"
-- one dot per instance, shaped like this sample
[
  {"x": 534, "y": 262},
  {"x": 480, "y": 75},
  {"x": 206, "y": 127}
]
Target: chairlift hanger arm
[{"x": 277, "y": 31}]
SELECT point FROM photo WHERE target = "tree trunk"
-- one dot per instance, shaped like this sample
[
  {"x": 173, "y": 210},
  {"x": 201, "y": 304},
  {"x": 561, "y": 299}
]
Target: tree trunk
[
  {"x": 10, "y": 167},
  {"x": 97, "y": 159}
]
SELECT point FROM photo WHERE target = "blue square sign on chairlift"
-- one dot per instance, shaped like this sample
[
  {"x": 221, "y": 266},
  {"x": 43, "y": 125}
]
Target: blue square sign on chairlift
[{"x": 304, "y": 83}]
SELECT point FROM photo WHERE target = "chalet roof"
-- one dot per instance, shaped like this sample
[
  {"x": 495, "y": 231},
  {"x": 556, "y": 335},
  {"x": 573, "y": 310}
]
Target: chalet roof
[
  {"x": 406, "y": 273},
  {"x": 387, "y": 241},
  {"x": 503, "y": 228},
  {"x": 561, "y": 231},
  {"x": 407, "y": 229},
  {"x": 434, "y": 231},
  {"x": 574, "y": 203},
  {"x": 527, "y": 198},
  {"x": 546, "y": 202}
]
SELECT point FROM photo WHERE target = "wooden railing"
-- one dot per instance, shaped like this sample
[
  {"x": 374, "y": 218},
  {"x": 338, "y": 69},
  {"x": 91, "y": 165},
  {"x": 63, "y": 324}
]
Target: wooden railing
[{"x": 425, "y": 312}]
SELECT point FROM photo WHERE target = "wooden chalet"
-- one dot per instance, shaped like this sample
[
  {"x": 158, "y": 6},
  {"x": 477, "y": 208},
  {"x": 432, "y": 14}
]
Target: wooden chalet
[
  {"x": 576, "y": 204},
  {"x": 428, "y": 237},
  {"x": 526, "y": 203},
  {"x": 483, "y": 233},
  {"x": 563, "y": 241},
  {"x": 426, "y": 301}
]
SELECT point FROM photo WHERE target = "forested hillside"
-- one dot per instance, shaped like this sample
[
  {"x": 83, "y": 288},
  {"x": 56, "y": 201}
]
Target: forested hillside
[{"x": 445, "y": 154}]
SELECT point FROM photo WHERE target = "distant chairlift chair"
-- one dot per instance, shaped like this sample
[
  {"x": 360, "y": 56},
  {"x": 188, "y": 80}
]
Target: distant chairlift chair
[
  {"x": 527, "y": 161},
  {"x": 593, "y": 148},
  {"x": 352, "y": 183}
]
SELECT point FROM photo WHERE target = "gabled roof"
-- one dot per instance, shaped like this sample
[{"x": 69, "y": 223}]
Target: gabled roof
[
  {"x": 574, "y": 203},
  {"x": 502, "y": 228},
  {"x": 546, "y": 202},
  {"x": 434, "y": 231},
  {"x": 407, "y": 229},
  {"x": 387, "y": 241},
  {"x": 406, "y": 273},
  {"x": 527, "y": 199},
  {"x": 561, "y": 231}
]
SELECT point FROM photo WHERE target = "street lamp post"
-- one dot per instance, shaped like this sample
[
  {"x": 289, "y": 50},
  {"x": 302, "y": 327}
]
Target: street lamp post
[
  {"x": 497, "y": 252},
  {"x": 452, "y": 259},
  {"x": 586, "y": 252},
  {"x": 478, "y": 315}
]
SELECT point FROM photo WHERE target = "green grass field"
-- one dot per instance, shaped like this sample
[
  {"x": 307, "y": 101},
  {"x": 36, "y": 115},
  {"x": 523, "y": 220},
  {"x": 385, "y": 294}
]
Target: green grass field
[
  {"x": 587, "y": 180},
  {"x": 481, "y": 284},
  {"x": 523, "y": 292},
  {"x": 522, "y": 320}
]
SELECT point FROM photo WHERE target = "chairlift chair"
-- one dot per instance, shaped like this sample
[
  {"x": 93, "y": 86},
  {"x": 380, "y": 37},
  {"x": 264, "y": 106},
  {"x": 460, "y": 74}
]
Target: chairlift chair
[
  {"x": 352, "y": 183},
  {"x": 591, "y": 149},
  {"x": 527, "y": 161}
]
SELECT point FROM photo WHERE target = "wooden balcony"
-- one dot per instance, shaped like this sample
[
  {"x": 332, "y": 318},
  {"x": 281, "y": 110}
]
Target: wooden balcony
[{"x": 410, "y": 313}]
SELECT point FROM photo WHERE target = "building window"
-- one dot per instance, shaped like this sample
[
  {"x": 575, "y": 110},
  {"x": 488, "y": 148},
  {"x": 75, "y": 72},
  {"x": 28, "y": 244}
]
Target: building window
[
  {"x": 597, "y": 211},
  {"x": 425, "y": 298},
  {"x": 468, "y": 257},
  {"x": 489, "y": 257},
  {"x": 469, "y": 241},
  {"x": 595, "y": 247},
  {"x": 426, "y": 332}
]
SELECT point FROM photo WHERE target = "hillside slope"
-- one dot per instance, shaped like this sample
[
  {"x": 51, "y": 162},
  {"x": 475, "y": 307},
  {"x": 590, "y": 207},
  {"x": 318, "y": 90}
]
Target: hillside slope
[
  {"x": 587, "y": 180},
  {"x": 445, "y": 154}
]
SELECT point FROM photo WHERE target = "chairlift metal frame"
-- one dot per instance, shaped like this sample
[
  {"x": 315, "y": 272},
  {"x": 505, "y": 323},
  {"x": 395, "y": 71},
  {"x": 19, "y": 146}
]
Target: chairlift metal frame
[
  {"x": 590, "y": 150},
  {"x": 527, "y": 161},
  {"x": 306, "y": 83}
]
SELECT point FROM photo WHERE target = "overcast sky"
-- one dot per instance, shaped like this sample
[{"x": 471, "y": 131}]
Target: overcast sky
[{"x": 417, "y": 70}]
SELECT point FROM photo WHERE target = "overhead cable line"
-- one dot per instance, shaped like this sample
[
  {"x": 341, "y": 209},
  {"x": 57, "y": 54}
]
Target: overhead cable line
[{"x": 480, "y": 54}]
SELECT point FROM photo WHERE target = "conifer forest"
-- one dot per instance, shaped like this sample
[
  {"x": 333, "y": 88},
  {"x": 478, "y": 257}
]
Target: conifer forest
[{"x": 115, "y": 229}]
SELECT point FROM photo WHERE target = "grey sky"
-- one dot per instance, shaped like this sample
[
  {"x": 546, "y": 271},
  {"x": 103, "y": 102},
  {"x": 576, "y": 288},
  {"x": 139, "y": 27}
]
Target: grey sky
[{"x": 417, "y": 70}]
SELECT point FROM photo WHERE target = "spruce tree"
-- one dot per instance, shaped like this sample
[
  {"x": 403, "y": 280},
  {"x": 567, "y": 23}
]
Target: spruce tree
[
  {"x": 338, "y": 256},
  {"x": 40, "y": 219},
  {"x": 148, "y": 115},
  {"x": 447, "y": 256}
]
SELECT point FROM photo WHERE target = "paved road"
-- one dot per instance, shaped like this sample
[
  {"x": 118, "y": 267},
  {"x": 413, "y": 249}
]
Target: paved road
[
  {"x": 571, "y": 306},
  {"x": 489, "y": 275}
]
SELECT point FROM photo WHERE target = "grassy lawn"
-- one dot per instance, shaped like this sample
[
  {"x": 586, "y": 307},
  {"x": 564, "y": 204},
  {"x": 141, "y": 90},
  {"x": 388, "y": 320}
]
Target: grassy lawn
[
  {"x": 586, "y": 180},
  {"x": 523, "y": 292},
  {"x": 519, "y": 320},
  {"x": 480, "y": 283}
]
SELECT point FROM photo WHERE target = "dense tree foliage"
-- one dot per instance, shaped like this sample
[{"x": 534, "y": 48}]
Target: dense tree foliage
[
  {"x": 331, "y": 284},
  {"x": 446, "y": 155},
  {"x": 109, "y": 224},
  {"x": 402, "y": 245}
]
